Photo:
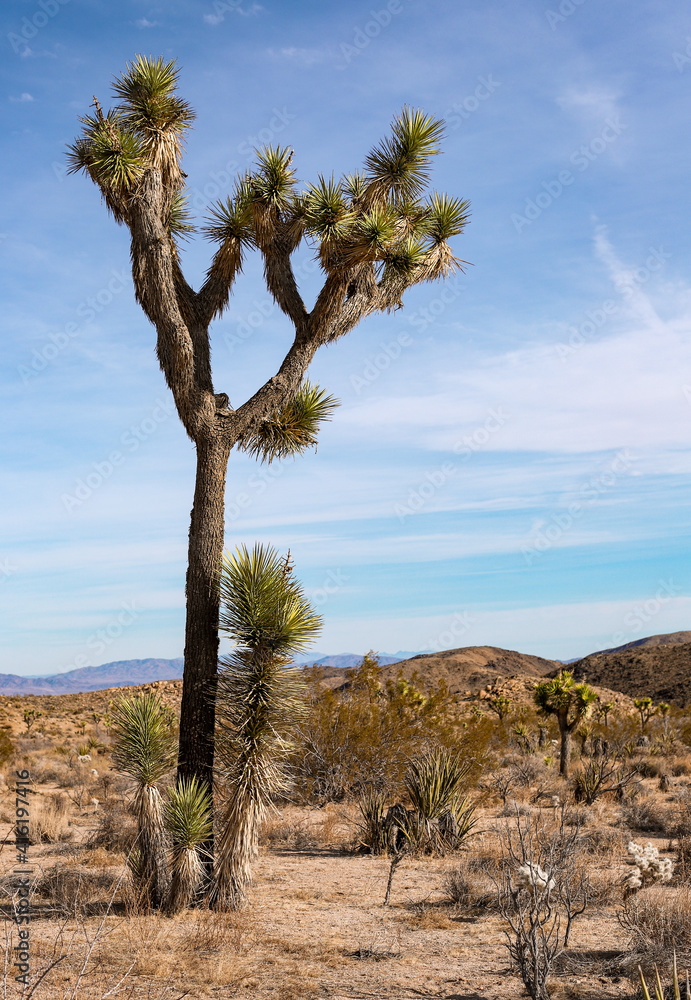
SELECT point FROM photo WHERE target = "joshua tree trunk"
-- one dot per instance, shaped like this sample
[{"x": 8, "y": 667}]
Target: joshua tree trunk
[
  {"x": 565, "y": 753},
  {"x": 201, "y": 630}
]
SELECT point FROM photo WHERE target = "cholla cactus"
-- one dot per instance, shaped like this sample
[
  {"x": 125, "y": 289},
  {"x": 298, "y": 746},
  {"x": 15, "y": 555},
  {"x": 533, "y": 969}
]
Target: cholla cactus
[
  {"x": 648, "y": 867},
  {"x": 530, "y": 875}
]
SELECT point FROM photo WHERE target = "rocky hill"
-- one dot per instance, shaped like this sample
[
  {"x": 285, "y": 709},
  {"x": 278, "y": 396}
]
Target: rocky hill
[
  {"x": 660, "y": 671},
  {"x": 665, "y": 639},
  {"x": 466, "y": 671}
]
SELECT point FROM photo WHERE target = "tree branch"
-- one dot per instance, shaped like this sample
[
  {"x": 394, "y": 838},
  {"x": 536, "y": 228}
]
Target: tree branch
[
  {"x": 162, "y": 292},
  {"x": 280, "y": 281}
]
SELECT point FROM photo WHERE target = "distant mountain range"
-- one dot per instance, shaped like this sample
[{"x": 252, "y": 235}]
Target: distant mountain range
[
  {"x": 125, "y": 673},
  {"x": 659, "y": 666}
]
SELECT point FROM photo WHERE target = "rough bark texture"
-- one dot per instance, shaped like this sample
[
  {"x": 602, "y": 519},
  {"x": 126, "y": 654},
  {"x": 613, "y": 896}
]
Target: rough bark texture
[
  {"x": 201, "y": 635},
  {"x": 565, "y": 753}
]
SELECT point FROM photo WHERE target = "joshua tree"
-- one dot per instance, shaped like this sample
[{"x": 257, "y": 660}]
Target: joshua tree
[
  {"x": 663, "y": 709},
  {"x": 31, "y": 715},
  {"x": 375, "y": 233},
  {"x": 604, "y": 708},
  {"x": 260, "y": 697},
  {"x": 645, "y": 709},
  {"x": 500, "y": 704},
  {"x": 570, "y": 703},
  {"x": 144, "y": 748},
  {"x": 189, "y": 822}
]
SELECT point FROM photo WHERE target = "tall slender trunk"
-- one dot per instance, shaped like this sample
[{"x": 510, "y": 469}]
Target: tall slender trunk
[
  {"x": 565, "y": 754},
  {"x": 198, "y": 709}
]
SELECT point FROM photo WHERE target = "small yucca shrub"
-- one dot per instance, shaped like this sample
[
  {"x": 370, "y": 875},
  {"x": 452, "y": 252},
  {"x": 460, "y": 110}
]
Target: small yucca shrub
[
  {"x": 189, "y": 822},
  {"x": 145, "y": 749}
]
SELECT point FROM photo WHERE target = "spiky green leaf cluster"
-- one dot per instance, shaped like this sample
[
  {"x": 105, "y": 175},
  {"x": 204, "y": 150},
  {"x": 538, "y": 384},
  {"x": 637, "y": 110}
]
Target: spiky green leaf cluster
[
  {"x": 112, "y": 155},
  {"x": 328, "y": 216},
  {"x": 434, "y": 780},
  {"x": 264, "y": 608},
  {"x": 188, "y": 814},
  {"x": 293, "y": 428},
  {"x": 231, "y": 219},
  {"x": 144, "y": 129},
  {"x": 148, "y": 104},
  {"x": 561, "y": 695},
  {"x": 399, "y": 166},
  {"x": 144, "y": 743},
  {"x": 273, "y": 183},
  {"x": 180, "y": 219}
]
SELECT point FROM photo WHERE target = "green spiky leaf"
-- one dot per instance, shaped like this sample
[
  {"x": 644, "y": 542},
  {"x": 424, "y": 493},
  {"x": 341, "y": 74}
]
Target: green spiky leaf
[
  {"x": 399, "y": 165},
  {"x": 188, "y": 814},
  {"x": 263, "y": 607},
  {"x": 111, "y": 154},
  {"x": 447, "y": 217},
  {"x": 145, "y": 746},
  {"x": 179, "y": 219},
  {"x": 147, "y": 98},
  {"x": 328, "y": 216},
  {"x": 294, "y": 428},
  {"x": 274, "y": 182}
]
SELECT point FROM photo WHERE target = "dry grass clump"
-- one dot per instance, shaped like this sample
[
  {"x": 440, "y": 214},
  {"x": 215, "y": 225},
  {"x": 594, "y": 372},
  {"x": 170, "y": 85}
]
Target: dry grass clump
[
  {"x": 659, "y": 920},
  {"x": 602, "y": 841},
  {"x": 76, "y": 890},
  {"x": 644, "y": 813},
  {"x": 48, "y": 821},
  {"x": 469, "y": 888},
  {"x": 116, "y": 830}
]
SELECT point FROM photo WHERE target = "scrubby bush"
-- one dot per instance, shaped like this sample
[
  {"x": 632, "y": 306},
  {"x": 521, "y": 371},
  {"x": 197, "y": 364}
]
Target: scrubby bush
[{"x": 364, "y": 733}]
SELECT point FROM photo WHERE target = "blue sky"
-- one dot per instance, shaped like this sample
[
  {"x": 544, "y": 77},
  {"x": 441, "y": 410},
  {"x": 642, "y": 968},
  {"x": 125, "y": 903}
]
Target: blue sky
[{"x": 511, "y": 461}]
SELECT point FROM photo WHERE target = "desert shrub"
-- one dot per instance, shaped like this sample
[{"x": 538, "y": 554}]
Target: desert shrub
[
  {"x": 76, "y": 890},
  {"x": 658, "y": 919},
  {"x": 116, "y": 830},
  {"x": 468, "y": 888},
  {"x": 514, "y": 808},
  {"x": 6, "y": 747},
  {"x": 363, "y": 734},
  {"x": 601, "y": 841},
  {"x": 644, "y": 813},
  {"x": 543, "y": 888},
  {"x": 683, "y": 859},
  {"x": 578, "y": 816},
  {"x": 48, "y": 822}
]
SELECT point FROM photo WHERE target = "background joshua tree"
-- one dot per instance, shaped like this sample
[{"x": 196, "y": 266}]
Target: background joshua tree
[
  {"x": 260, "y": 697},
  {"x": 144, "y": 748},
  {"x": 570, "y": 703},
  {"x": 645, "y": 709},
  {"x": 375, "y": 234},
  {"x": 189, "y": 822}
]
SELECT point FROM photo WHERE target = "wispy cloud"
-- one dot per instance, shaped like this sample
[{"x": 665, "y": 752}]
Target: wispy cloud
[
  {"x": 234, "y": 7},
  {"x": 302, "y": 57},
  {"x": 591, "y": 103},
  {"x": 24, "y": 98},
  {"x": 144, "y": 23}
]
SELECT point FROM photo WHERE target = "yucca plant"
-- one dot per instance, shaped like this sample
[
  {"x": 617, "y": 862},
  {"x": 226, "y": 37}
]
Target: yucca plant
[
  {"x": 433, "y": 782},
  {"x": 375, "y": 232},
  {"x": 372, "y": 809},
  {"x": 145, "y": 748},
  {"x": 189, "y": 822},
  {"x": 659, "y": 992},
  {"x": 259, "y": 702}
]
